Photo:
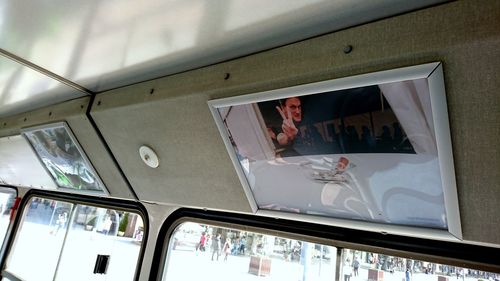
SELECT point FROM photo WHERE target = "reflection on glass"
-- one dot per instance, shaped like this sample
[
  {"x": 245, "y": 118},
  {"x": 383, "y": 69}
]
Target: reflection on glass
[
  {"x": 7, "y": 199},
  {"x": 98, "y": 231},
  {"x": 20, "y": 165},
  {"x": 39, "y": 240},
  {"x": 264, "y": 11},
  {"x": 359, "y": 265},
  {"x": 205, "y": 252},
  {"x": 63, "y": 159}
]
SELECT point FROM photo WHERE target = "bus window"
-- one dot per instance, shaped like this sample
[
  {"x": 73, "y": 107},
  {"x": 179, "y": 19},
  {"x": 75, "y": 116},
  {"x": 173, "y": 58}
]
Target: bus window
[
  {"x": 68, "y": 241},
  {"x": 39, "y": 239},
  {"x": 7, "y": 200},
  {"x": 98, "y": 231},
  {"x": 207, "y": 252},
  {"x": 360, "y": 265}
]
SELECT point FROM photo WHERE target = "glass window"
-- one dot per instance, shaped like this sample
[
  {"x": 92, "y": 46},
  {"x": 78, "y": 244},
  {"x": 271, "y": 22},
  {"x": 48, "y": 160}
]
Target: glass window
[
  {"x": 7, "y": 200},
  {"x": 359, "y": 265},
  {"x": 99, "y": 231},
  {"x": 39, "y": 239},
  {"x": 64, "y": 241},
  {"x": 206, "y": 252}
]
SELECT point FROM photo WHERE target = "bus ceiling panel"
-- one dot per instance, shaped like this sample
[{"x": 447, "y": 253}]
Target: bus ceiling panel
[
  {"x": 23, "y": 89},
  {"x": 73, "y": 113},
  {"x": 194, "y": 167},
  {"x": 107, "y": 44}
]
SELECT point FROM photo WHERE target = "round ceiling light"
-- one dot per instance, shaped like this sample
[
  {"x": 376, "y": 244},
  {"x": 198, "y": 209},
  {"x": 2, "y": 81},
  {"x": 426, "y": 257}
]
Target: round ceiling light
[{"x": 149, "y": 156}]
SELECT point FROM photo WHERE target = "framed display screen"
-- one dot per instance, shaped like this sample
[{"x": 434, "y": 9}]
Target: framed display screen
[
  {"x": 63, "y": 158},
  {"x": 369, "y": 148}
]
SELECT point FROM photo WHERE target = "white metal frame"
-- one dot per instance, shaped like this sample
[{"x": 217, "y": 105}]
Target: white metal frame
[{"x": 433, "y": 72}]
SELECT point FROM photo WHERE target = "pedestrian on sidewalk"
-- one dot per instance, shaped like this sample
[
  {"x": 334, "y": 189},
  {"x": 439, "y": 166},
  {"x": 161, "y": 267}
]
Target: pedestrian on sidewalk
[
  {"x": 203, "y": 241},
  {"x": 216, "y": 246},
  {"x": 355, "y": 266},
  {"x": 226, "y": 249},
  {"x": 407, "y": 275},
  {"x": 347, "y": 270}
]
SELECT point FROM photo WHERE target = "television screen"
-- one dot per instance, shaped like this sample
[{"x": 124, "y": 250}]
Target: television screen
[{"x": 365, "y": 153}]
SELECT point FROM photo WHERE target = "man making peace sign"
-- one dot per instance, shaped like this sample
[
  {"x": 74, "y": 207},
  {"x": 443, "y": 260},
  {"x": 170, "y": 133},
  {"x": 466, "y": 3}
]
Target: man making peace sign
[
  {"x": 291, "y": 112},
  {"x": 296, "y": 136}
]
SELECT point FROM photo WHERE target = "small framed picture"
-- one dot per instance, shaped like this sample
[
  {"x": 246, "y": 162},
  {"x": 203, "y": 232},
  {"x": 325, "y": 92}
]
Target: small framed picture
[
  {"x": 371, "y": 151},
  {"x": 63, "y": 158}
]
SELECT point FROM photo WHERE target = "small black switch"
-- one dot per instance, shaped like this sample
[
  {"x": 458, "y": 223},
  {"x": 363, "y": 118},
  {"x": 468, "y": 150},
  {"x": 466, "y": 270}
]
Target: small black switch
[{"x": 101, "y": 264}]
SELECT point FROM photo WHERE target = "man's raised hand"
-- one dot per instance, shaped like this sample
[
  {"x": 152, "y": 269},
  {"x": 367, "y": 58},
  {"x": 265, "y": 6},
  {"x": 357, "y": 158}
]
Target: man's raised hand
[{"x": 287, "y": 126}]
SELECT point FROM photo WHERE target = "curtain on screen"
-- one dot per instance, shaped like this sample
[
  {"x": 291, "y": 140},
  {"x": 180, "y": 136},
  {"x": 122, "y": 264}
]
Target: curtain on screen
[{"x": 410, "y": 102}]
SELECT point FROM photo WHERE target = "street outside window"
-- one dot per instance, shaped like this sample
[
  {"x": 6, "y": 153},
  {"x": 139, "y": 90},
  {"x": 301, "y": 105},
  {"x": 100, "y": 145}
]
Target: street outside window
[
  {"x": 207, "y": 252},
  {"x": 360, "y": 265}
]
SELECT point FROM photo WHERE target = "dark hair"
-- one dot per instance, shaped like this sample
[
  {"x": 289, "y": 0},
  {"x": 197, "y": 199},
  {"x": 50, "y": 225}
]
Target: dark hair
[{"x": 283, "y": 101}]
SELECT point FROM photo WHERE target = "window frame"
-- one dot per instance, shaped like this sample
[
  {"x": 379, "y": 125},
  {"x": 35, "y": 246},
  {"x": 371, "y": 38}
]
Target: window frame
[
  {"x": 101, "y": 202},
  {"x": 473, "y": 256}
]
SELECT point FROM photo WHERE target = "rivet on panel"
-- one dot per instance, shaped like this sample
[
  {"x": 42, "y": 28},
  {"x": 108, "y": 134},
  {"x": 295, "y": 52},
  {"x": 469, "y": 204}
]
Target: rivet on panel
[
  {"x": 5, "y": 124},
  {"x": 99, "y": 103},
  {"x": 25, "y": 119},
  {"x": 347, "y": 49},
  {"x": 227, "y": 76},
  {"x": 151, "y": 91},
  {"x": 81, "y": 106},
  {"x": 50, "y": 113}
]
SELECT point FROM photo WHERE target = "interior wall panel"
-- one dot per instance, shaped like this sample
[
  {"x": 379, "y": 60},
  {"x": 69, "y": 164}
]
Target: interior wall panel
[
  {"x": 171, "y": 115},
  {"x": 180, "y": 133}
]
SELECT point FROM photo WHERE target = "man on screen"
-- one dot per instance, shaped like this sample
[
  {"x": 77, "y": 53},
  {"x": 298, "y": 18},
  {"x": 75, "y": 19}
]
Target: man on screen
[
  {"x": 291, "y": 112},
  {"x": 296, "y": 136}
]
